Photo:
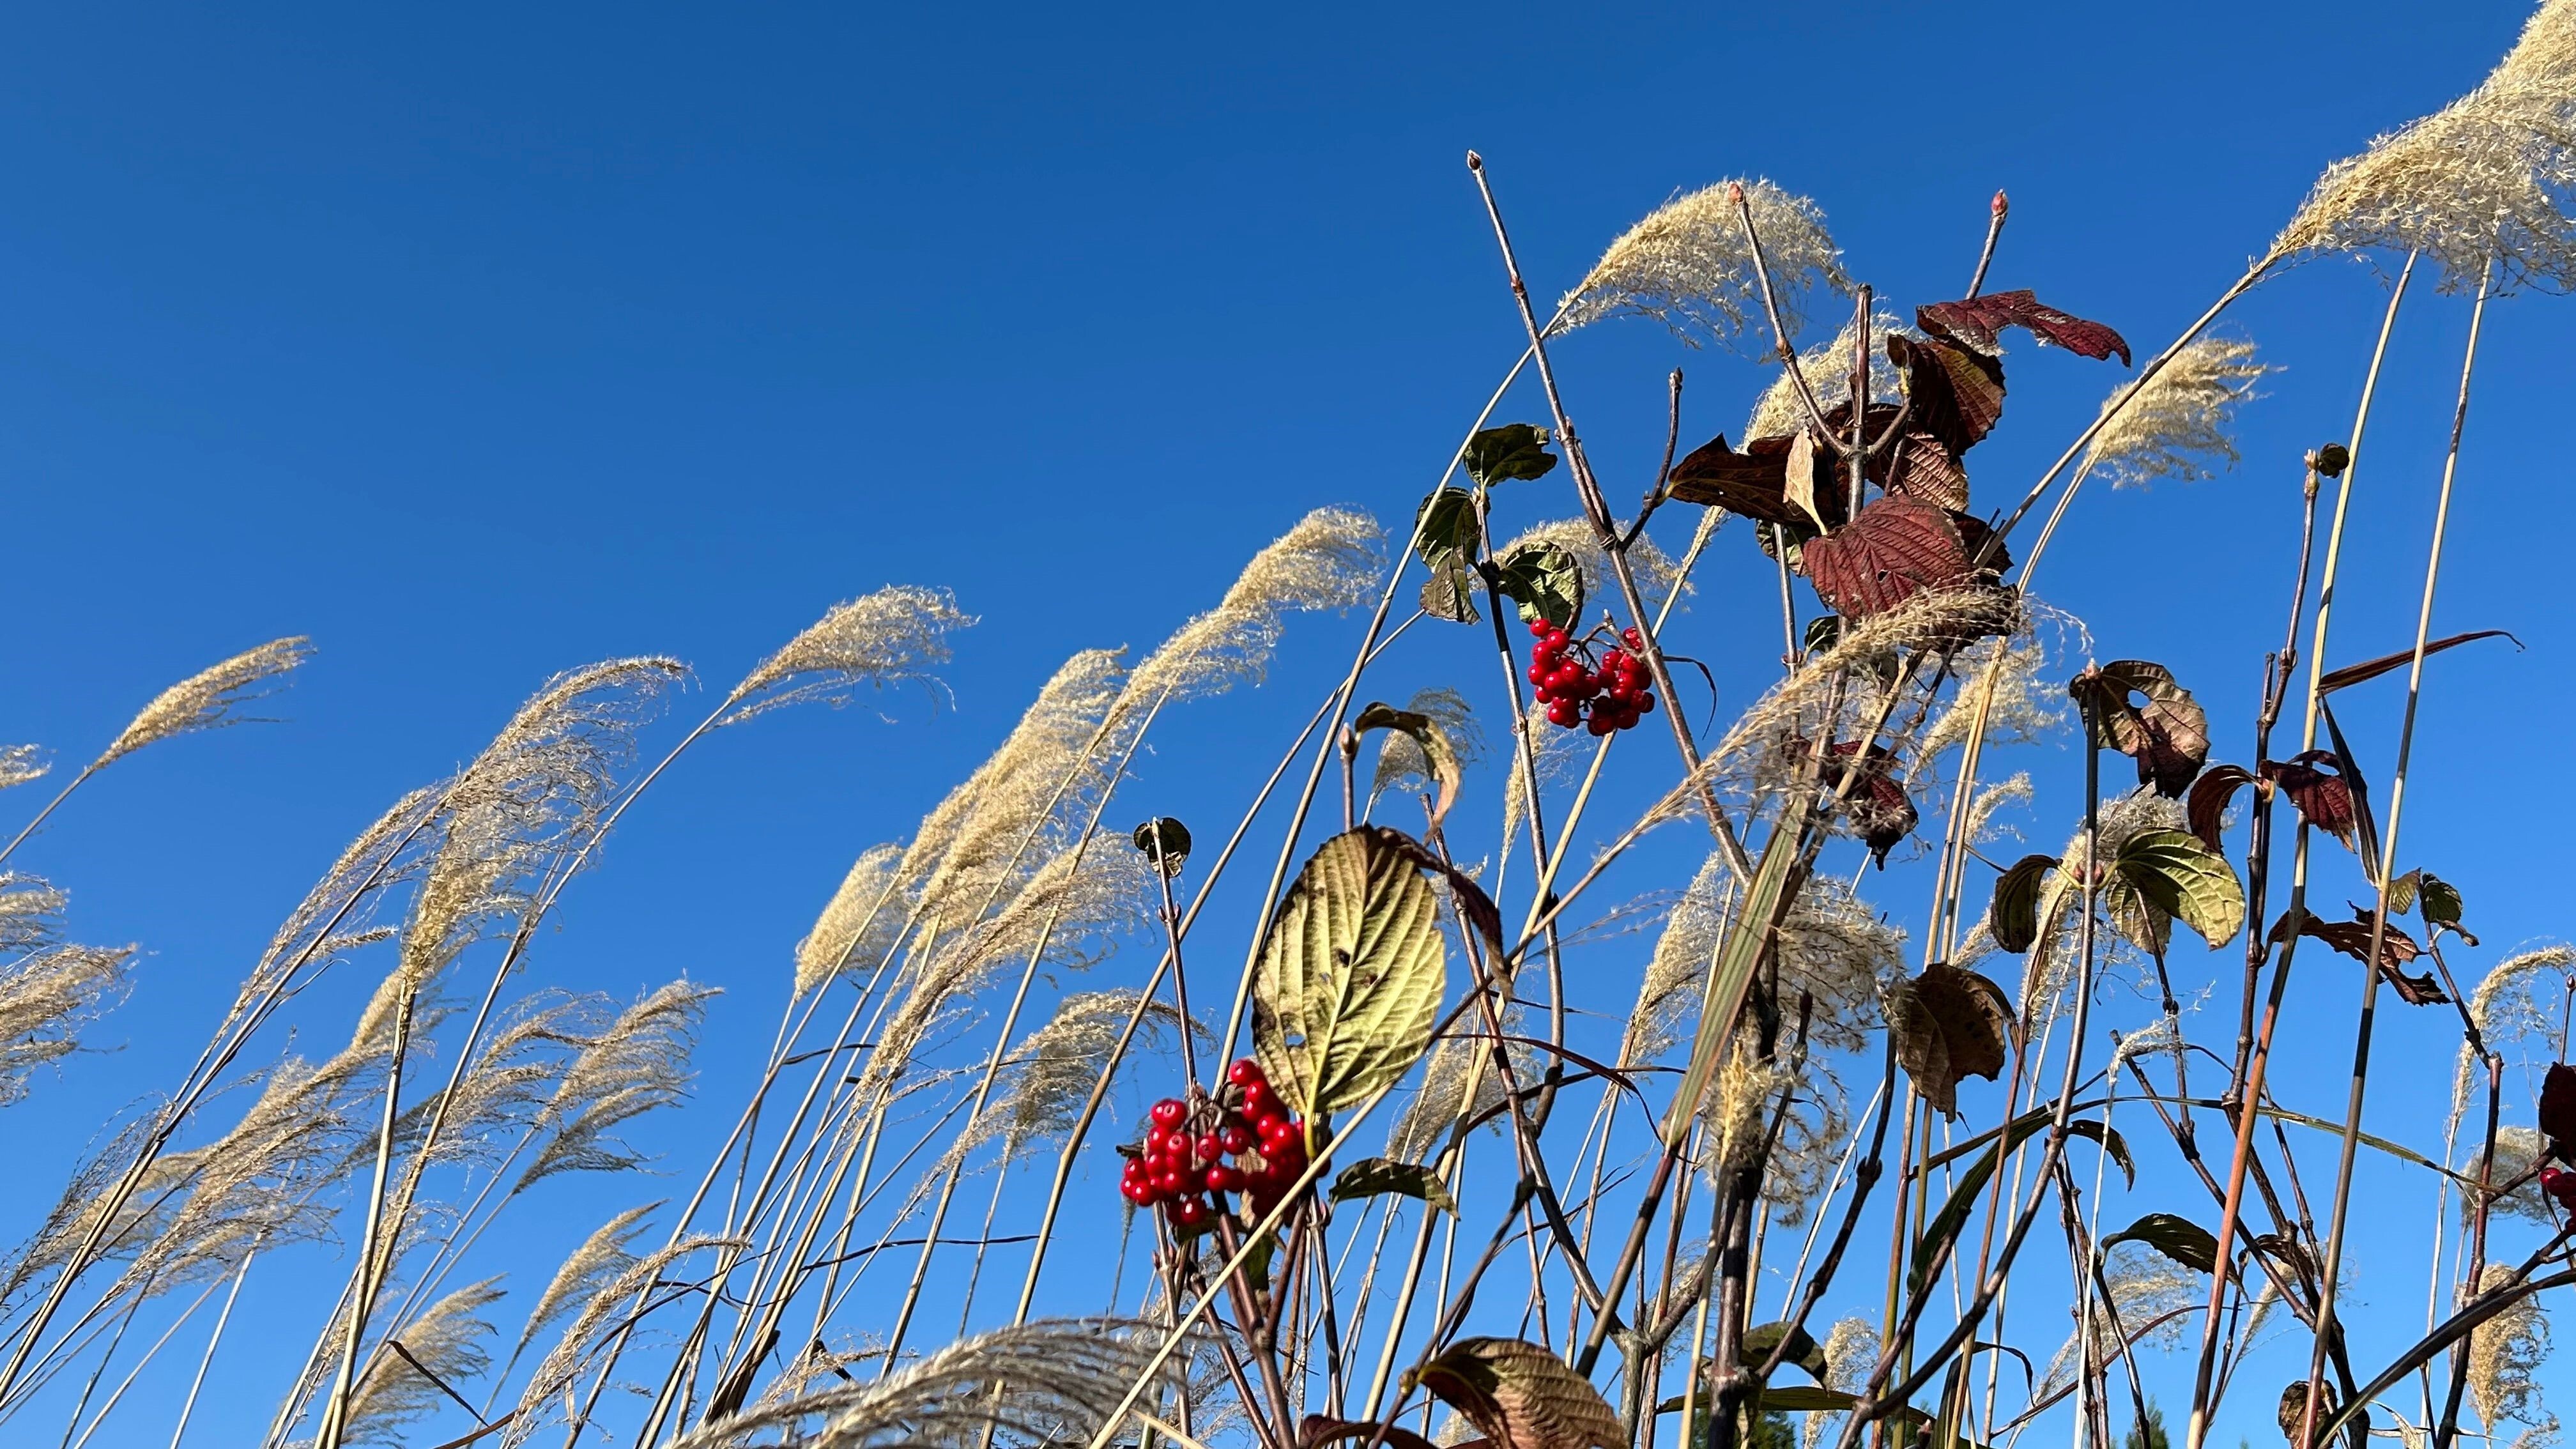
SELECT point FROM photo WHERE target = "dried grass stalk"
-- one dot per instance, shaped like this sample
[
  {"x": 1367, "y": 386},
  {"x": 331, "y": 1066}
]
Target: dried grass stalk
[
  {"x": 207, "y": 700},
  {"x": 447, "y": 1340},
  {"x": 2504, "y": 1354},
  {"x": 884, "y": 638},
  {"x": 1058, "y": 1064}
]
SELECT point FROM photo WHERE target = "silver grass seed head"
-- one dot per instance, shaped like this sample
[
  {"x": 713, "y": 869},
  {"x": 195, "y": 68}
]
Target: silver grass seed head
[
  {"x": 1669, "y": 995},
  {"x": 1058, "y": 1065},
  {"x": 2517, "y": 1151},
  {"x": 447, "y": 1339},
  {"x": 1400, "y": 761},
  {"x": 1324, "y": 564},
  {"x": 1689, "y": 264},
  {"x": 2180, "y": 422},
  {"x": 607, "y": 1253},
  {"x": 2505, "y": 1353},
  {"x": 883, "y": 638},
  {"x": 22, "y": 763},
  {"x": 641, "y": 1062},
  {"x": 207, "y": 699},
  {"x": 859, "y": 924},
  {"x": 46, "y": 997},
  {"x": 550, "y": 1394}
]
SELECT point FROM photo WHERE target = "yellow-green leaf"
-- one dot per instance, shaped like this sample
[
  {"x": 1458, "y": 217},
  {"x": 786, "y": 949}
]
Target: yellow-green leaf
[
  {"x": 1522, "y": 1396},
  {"x": 2014, "y": 916},
  {"x": 2176, "y": 874},
  {"x": 1350, "y": 973},
  {"x": 1439, "y": 756}
]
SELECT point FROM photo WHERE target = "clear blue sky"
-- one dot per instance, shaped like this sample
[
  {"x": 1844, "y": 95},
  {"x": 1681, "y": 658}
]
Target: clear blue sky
[{"x": 482, "y": 342}]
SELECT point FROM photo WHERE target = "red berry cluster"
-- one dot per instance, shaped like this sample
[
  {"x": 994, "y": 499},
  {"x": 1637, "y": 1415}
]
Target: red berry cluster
[
  {"x": 1190, "y": 1156},
  {"x": 1605, "y": 695}
]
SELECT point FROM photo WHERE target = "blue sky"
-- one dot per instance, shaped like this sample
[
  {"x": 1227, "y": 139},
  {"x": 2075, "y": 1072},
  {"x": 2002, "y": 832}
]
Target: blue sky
[{"x": 482, "y": 343}]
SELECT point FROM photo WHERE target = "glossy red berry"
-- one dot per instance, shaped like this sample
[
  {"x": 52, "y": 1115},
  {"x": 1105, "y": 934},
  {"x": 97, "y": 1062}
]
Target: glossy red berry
[
  {"x": 1191, "y": 1211},
  {"x": 1167, "y": 1180},
  {"x": 1258, "y": 1102},
  {"x": 1645, "y": 704},
  {"x": 1565, "y": 713},
  {"x": 1245, "y": 1072},
  {"x": 1169, "y": 1112},
  {"x": 1234, "y": 1137},
  {"x": 1225, "y": 1178},
  {"x": 2561, "y": 1185},
  {"x": 1210, "y": 1148}
]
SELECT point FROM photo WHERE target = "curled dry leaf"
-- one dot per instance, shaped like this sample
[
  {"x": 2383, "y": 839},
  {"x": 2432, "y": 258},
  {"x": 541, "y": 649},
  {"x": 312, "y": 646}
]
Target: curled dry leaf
[
  {"x": 2168, "y": 734},
  {"x": 1437, "y": 751},
  {"x": 2352, "y": 674},
  {"x": 1953, "y": 393},
  {"x": 1895, "y": 549},
  {"x": 2396, "y": 948},
  {"x": 1379, "y": 1177},
  {"x": 2013, "y": 919},
  {"x": 1878, "y": 806},
  {"x": 1522, "y": 1396},
  {"x": 1975, "y": 321},
  {"x": 2323, "y": 799},
  {"x": 1320, "y": 1430},
  {"x": 1949, "y": 1023},
  {"x": 2178, "y": 1238},
  {"x": 2209, "y": 799}
]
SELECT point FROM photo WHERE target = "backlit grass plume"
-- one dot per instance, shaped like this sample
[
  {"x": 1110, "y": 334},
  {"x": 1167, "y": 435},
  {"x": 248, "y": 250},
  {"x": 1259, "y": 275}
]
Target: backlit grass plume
[
  {"x": 640, "y": 1063},
  {"x": 1689, "y": 265},
  {"x": 602, "y": 1257},
  {"x": 884, "y": 638},
  {"x": 1827, "y": 367},
  {"x": 21, "y": 763},
  {"x": 399, "y": 1389},
  {"x": 1053, "y": 1382},
  {"x": 2177, "y": 423},
  {"x": 1324, "y": 564},
  {"x": 207, "y": 699},
  {"x": 1057, "y": 1065},
  {"x": 2487, "y": 177},
  {"x": 856, "y": 929},
  {"x": 2504, "y": 1354},
  {"x": 49, "y": 988},
  {"x": 548, "y": 1396}
]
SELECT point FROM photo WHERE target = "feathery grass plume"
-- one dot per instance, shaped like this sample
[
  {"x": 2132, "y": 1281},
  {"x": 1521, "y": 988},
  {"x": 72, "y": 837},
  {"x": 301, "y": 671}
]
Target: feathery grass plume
[
  {"x": 607, "y": 1253},
  {"x": 550, "y": 1390},
  {"x": 2144, "y": 1286},
  {"x": 1423, "y": 1129},
  {"x": 971, "y": 843},
  {"x": 2504, "y": 1353},
  {"x": 884, "y": 638},
  {"x": 2178, "y": 423},
  {"x": 207, "y": 699},
  {"x": 21, "y": 763},
  {"x": 1553, "y": 751},
  {"x": 2518, "y": 1001},
  {"x": 1324, "y": 564},
  {"x": 2517, "y": 1151},
  {"x": 73, "y": 1210},
  {"x": 46, "y": 997},
  {"x": 1689, "y": 265},
  {"x": 2010, "y": 793},
  {"x": 797, "y": 1377},
  {"x": 1058, "y": 1064},
  {"x": 2019, "y": 714},
  {"x": 1668, "y": 997},
  {"x": 1835, "y": 949},
  {"x": 2486, "y": 177},
  {"x": 641, "y": 1062},
  {"x": 1086, "y": 902},
  {"x": 1827, "y": 367},
  {"x": 1400, "y": 761},
  {"x": 1056, "y": 1381},
  {"x": 446, "y": 1339},
  {"x": 516, "y": 1070},
  {"x": 855, "y": 931},
  {"x": 383, "y": 856},
  {"x": 1851, "y": 1351}
]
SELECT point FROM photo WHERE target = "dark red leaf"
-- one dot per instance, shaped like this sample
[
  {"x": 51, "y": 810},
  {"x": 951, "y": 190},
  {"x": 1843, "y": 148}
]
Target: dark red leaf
[
  {"x": 2352, "y": 674},
  {"x": 1879, "y": 807},
  {"x": 2209, "y": 797},
  {"x": 1320, "y": 1430},
  {"x": 1747, "y": 483},
  {"x": 2168, "y": 735},
  {"x": 1918, "y": 466},
  {"x": 2558, "y": 1110},
  {"x": 1957, "y": 395},
  {"x": 1895, "y": 549},
  {"x": 2396, "y": 948},
  {"x": 1973, "y": 534},
  {"x": 2323, "y": 800},
  {"x": 1975, "y": 321}
]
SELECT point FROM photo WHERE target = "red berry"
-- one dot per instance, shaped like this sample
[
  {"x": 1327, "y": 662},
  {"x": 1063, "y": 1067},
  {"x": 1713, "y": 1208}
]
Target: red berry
[
  {"x": 1211, "y": 1147},
  {"x": 1645, "y": 704},
  {"x": 1258, "y": 1101},
  {"x": 1223, "y": 1178},
  {"x": 1564, "y": 713},
  {"x": 1191, "y": 1211},
  {"x": 1167, "y": 1180},
  {"x": 1539, "y": 673},
  {"x": 1234, "y": 1138},
  {"x": 1138, "y": 1193},
  {"x": 1635, "y": 639},
  {"x": 1245, "y": 1072},
  {"x": 1598, "y": 725},
  {"x": 1169, "y": 1112},
  {"x": 2561, "y": 1185}
]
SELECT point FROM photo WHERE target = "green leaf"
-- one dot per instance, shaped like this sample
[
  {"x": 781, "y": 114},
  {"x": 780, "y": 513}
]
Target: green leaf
[
  {"x": 1803, "y": 1399},
  {"x": 1437, "y": 752},
  {"x": 1945, "y": 1224},
  {"x": 1545, "y": 581},
  {"x": 2179, "y": 876},
  {"x": 1450, "y": 592},
  {"x": 2441, "y": 901},
  {"x": 1379, "y": 1177},
  {"x": 1737, "y": 955},
  {"x": 2180, "y": 1239},
  {"x": 1350, "y": 973},
  {"x": 1521, "y": 1396},
  {"x": 2013, "y": 919},
  {"x": 1514, "y": 450},
  {"x": 1445, "y": 526},
  {"x": 1804, "y": 1351},
  {"x": 1823, "y": 632}
]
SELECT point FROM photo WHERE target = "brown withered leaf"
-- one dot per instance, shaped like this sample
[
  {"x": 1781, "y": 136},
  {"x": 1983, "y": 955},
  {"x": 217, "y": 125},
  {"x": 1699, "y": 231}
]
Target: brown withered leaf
[
  {"x": 1895, "y": 549},
  {"x": 2352, "y": 674},
  {"x": 1749, "y": 483},
  {"x": 1957, "y": 395},
  {"x": 2168, "y": 735},
  {"x": 2324, "y": 800},
  {"x": 1916, "y": 465},
  {"x": 1975, "y": 321},
  {"x": 1321, "y": 1429},
  {"x": 1522, "y": 1396},
  {"x": 2396, "y": 948},
  {"x": 1802, "y": 486},
  {"x": 1949, "y": 1023},
  {"x": 2210, "y": 795},
  {"x": 1879, "y": 807}
]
